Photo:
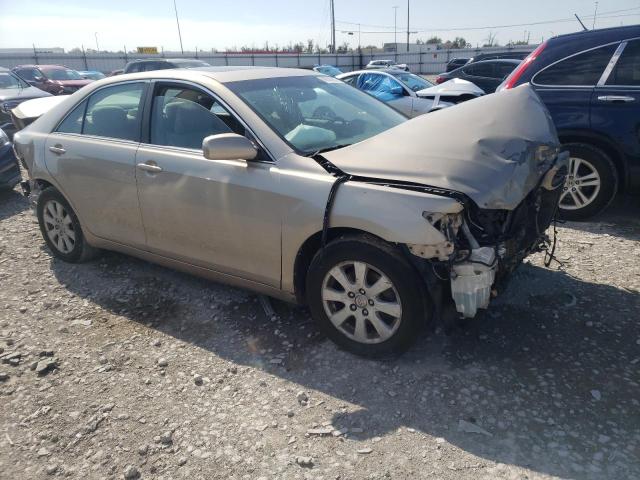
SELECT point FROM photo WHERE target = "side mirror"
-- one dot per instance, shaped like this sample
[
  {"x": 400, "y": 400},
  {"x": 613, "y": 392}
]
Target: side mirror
[{"x": 228, "y": 146}]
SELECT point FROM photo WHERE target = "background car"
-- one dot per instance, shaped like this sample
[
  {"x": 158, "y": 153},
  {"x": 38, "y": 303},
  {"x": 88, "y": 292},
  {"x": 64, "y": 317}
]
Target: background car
[
  {"x": 508, "y": 55},
  {"x": 456, "y": 63},
  {"x": 375, "y": 64},
  {"x": 327, "y": 70},
  {"x": 590, "y": 82},
  {"x": 453, "y": 91},
  {"x": 9, "y": 169},
  {"x": 92, "y": 74},
  {"x": 487, "y": 75},
  {"x": 396, "y": 88},
  {"x": 14, "y": 91},
  {"x": 55, "y": 79},
  {"x": 147, "y": 65},
  {"x": 117, "y": 71}
]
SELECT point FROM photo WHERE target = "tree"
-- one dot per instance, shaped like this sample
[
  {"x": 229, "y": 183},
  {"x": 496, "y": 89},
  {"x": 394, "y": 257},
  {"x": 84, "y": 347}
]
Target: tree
[
  {"x": 434, "y": 41},
  {"x": 310, "y": 46},
  {"x": 491, "y": 40},
  {"x": 460, "y": 42}
]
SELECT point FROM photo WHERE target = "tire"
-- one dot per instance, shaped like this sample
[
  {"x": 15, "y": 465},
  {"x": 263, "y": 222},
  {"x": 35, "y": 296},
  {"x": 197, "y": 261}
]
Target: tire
[
  {"x": 364, "y": 328},
  {"x": 603, "y": 173},
  {"x": 55, "y": 216}
]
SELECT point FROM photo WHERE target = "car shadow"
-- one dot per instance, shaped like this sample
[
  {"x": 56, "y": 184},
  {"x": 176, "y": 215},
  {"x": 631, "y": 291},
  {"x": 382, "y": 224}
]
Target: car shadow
[
  {"x": 621, "y": 219},
  {"x": 548, "y": 376},
  {"x": 11, "y": 203}
]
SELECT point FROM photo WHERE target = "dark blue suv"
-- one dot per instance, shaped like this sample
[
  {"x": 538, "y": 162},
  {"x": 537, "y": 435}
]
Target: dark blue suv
[{"x": 590, "y": 82}]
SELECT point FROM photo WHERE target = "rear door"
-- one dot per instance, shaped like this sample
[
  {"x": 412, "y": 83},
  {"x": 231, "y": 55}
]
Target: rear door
[
  {"x": 615, "y": 104},
  {"x": 92, "y": 155},
  {"x": 566, "y": 86}
]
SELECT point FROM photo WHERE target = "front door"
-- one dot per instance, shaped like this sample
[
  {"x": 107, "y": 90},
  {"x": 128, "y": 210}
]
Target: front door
[
  {"x": 221, "y": 215},
  {"x": 615, "y": 105},
  {"x": 92, "y": 157}
]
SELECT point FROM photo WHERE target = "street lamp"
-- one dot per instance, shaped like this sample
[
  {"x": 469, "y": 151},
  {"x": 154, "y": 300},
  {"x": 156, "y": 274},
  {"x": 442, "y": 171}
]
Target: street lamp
[
  {"x": 97, "y": 46},
  {"x": 395, "y": 28}
]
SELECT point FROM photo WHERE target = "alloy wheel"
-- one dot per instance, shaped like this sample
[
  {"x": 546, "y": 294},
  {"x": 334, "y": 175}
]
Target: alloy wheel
[
  {"x": 582, "y": 185},
  {"x": 59, "y": 226},
  {"x": 361, "y": 302}
]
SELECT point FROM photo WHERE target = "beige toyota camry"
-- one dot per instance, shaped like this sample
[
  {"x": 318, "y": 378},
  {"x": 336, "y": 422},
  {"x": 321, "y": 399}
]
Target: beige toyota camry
[{"x": 298, "y": 186}]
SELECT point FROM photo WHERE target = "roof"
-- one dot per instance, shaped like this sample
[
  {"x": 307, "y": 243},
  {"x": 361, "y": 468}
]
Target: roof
[
  {"x": 390, "y": 71},
  {"x": 50, "y": 67},
  {"x": 628, "y": 30},
  {"x": 219, "y": 74}
]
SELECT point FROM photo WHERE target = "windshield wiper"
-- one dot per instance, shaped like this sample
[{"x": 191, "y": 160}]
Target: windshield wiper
[{"x": 328, "y": 149}]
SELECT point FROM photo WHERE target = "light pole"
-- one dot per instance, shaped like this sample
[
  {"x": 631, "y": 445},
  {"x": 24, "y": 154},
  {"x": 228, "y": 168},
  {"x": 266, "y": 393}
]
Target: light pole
[
  {"x": 595, "y": 14},
  {"x": 395, "y": 28},
  {"x": 408, "y": 11},
  {"x": 175, "y": 8},
  {"x": 97, "y": 46}
]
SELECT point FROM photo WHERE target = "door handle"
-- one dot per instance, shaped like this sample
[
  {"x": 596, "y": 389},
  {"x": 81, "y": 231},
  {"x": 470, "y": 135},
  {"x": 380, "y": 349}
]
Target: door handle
[
  {"x": 149, "y": 167},
  {"x": 616, "y": 99},
  {"x": 57, "y": 149}
]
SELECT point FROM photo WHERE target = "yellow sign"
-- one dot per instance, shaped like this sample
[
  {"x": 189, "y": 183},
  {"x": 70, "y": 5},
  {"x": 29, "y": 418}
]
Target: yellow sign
[{"x": 148, "y": 50}]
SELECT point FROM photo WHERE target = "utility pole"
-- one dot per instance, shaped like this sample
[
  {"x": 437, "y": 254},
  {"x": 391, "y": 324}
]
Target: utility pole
[
  {"x": 97, "y": 46},
  {"x": 395, "y": 28},
  {"x": 595, "y": 14},
  {"x": 408, "y": 12},
  {"x": 175, "y": 8},
  {"x": 333, "y": 27}
]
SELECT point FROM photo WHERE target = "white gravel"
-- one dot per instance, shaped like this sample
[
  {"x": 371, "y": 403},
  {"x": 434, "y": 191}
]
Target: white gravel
[{"x": 122, "y": 369}]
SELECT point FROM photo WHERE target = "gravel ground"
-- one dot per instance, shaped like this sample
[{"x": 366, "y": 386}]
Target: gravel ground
[{"x": 122, "y": 369}]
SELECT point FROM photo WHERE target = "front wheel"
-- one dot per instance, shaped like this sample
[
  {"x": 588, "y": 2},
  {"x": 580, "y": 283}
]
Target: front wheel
[
  {"x": 591, "y": 184},
  {"x": 366, "y": 297}
]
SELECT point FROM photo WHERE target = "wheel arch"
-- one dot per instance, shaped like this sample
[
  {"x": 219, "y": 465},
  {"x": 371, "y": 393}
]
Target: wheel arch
[
  {"x": 604, "y": 143},
  {"x": 307, "y": 251}
]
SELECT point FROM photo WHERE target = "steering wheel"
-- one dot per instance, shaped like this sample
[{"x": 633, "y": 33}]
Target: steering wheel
[{"x": 325, "y": 113}]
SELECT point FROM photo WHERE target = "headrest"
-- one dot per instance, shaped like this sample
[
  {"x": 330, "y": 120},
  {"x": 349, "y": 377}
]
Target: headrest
[{"x": 108, "y": 116}]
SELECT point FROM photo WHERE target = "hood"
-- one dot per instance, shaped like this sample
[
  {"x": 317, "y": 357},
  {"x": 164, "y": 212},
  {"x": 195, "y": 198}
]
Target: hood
[
  {"x": 454, "y": 87},
  {"x": 37, "y": 107},
  {"x": 494, "y": 149},
  {"x": 21, "y": 93}
]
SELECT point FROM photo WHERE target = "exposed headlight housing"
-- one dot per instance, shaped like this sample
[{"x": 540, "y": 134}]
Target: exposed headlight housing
[{"x": 546, "y": 154}]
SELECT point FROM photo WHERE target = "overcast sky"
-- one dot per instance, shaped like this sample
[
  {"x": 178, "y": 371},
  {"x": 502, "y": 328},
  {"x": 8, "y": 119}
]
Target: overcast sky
[{"x": 224, "y": 24}]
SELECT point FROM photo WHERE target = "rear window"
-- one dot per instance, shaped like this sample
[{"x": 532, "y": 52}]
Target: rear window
[
  {"x": 584, "y": 69},
  {"x": 627, "y": 70},
  {"x": 479, "y": 70}
]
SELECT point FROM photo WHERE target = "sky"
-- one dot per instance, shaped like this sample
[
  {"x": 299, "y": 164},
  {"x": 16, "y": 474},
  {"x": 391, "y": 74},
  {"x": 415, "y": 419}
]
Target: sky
[{"x": 224, "y": 24}]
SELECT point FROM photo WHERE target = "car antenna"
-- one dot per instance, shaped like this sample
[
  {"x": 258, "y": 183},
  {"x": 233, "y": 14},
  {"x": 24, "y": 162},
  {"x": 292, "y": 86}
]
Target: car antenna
[{"x": 585, "y": 28}]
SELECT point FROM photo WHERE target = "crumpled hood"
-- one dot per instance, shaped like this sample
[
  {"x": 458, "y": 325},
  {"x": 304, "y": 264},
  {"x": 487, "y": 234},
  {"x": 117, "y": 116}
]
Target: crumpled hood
[
  {"x": 453, "y": 87},
  {"x": 486, "y": 148},
  {"x": 20, "y": 93}
]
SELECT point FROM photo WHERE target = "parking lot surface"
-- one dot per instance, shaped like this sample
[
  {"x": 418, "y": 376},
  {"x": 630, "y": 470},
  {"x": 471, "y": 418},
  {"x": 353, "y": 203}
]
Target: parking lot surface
[{"x": 122, "y": 369}]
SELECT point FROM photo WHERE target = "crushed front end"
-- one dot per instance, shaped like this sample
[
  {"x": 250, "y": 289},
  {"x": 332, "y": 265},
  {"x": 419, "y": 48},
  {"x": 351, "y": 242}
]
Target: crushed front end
[{"x": 484, "y": 246}]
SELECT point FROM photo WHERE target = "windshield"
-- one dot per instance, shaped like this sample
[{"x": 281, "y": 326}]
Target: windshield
[
  {"x": 316, "y": 113},
  {"x": 9, "y": 80},
  {"x": 61, "y": 74},
  {"x": 414, "y": 82}
]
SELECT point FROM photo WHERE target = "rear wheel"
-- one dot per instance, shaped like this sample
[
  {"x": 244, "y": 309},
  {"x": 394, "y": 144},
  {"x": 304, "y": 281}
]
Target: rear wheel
[
  {"x": 591, "y": 185},
  {"x": 61, "y": 228},
  {"x": 366, "y": 297}
]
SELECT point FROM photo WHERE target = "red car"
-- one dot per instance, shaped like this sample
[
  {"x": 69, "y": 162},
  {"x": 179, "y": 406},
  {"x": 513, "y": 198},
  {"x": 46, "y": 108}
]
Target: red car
[{"x": 55, "y": 79}]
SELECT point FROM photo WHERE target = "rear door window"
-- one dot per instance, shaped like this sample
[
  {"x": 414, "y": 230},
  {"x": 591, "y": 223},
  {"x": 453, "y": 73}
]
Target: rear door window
[
  {"x": 584, "y": 69},
  {"x": 627, "y": 69},
  {"x": 482, "y": 69},
  {"x": 115, "y": 112}
]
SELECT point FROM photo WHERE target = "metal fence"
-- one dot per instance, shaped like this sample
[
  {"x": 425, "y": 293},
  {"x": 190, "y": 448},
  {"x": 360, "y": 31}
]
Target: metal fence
[{"x": 427, "y": 62}]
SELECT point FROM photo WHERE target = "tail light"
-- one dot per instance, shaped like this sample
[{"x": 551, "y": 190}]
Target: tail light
[
  {"x": 440, "y": 79},
  {"x": 517, "y": 73}
]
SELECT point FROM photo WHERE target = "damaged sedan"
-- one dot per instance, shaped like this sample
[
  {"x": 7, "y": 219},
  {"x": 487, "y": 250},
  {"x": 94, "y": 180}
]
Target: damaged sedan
[{"x": 295, "y": 185}]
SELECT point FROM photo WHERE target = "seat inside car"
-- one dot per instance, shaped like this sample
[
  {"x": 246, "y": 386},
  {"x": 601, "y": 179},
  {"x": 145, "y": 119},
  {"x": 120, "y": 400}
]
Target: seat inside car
[
  {"x": 110, "y": 121},
  {"x": 187, "y": 123}
]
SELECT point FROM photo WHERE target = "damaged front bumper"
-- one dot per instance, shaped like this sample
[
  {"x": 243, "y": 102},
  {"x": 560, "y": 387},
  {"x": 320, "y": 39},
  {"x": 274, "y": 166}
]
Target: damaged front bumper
[{"x": 485, "y": 246}]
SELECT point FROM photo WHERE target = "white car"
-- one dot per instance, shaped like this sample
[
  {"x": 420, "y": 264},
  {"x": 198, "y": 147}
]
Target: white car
[
  {"x": 455, "y": 91},
  {"x": 396, "y": 88},
  {"x": 375, "y": 64}
]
